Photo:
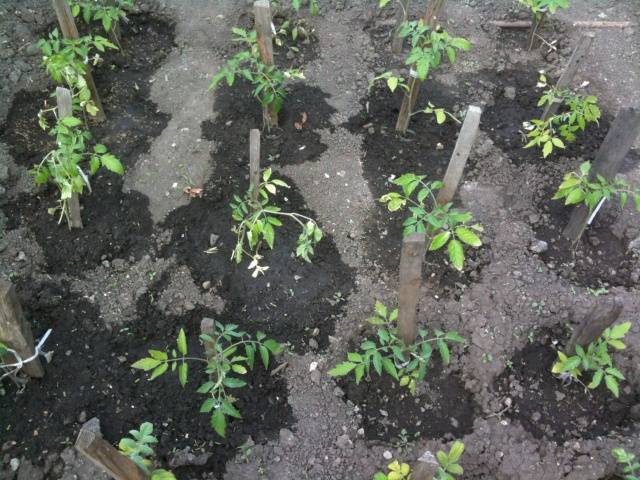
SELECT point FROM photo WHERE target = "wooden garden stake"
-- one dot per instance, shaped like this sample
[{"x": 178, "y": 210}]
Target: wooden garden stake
[
  {"x": 106, "y": 457},
  {"x": 411, "y": 256},
  {"x": 207, "y": 327},
  {"x": 15, "y": 332},
  {"x": 264, "y": 30},
  {"x": 616, "y": 145},
  {"x": 431, "y": 17},
  {"x": 254, "y": 163},
  {"x": 578, "y": 56},
  {"x": 603, "y": 315},
  {"x": 426, "y": 467},
  {"x": 467, "y": 136},
  {"x": 65, "y": 109},
  {"x": 70, "y": 31},
  {"x": 401, "y": 17}
]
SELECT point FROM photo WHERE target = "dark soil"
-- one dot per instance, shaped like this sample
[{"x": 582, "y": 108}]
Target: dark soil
[
  {"x": 90, "y": 373},
  {"x": 117, "y": 224},
  {"x": 426, "y": 150},
  {"x": 546, "y": 408},
  {"x": 293, "y": 297},
  {"x": 388, "y": 409}
]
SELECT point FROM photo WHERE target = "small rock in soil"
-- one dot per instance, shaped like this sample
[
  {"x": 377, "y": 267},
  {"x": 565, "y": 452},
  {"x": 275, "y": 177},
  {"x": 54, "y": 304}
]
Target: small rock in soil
[
  {"x": 539, "y": 246},
  {"x": 344, "y": 442},
  {"x": 22, "y": 256},
  {"x": 634, "y": 244},
  {"x": 206, "y": 285},
  {"x": 313, "y": 344},
  {"x": 387, "y": 455},
  {"x": 510, "y": 93},
  {"x": 82, "y": 417},
  {"x": 185, "y": 457},
  {"x": 338, "y": 392},
  {"x": 213, "y": 239},
  {"x": 287, "y": 438}
]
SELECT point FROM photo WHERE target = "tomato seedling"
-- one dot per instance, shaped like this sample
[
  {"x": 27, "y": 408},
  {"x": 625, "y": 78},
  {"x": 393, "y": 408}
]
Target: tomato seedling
[{"x": 138, "y": 449}]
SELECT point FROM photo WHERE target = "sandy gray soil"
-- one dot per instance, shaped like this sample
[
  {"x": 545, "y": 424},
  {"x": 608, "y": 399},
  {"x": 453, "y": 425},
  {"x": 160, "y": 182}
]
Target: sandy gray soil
[{"x": 513, "y": 298}]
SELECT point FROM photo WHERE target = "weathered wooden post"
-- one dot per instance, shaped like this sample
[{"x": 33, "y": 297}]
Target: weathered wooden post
[
  {"x": 616, "y": 145},
  {"x": 70, "y": 31},
  {"x": 106, "y": 457},
  {"x": 579, "y": 54},
  {"x": 207, "y": 327},
  {"x": 401, "y": 17},
  {"x": 254, "y": 163},
  {"x": 65, "y": 109},
  {"x": 411, "y": 256},
  {"x": 603, "y": 315},
  {"x": 458, "y": 161},
  {"x": 431, "y": 18},
  {"x": 264, "y": 31},
  {"x": 426, "y": 467},
  {"x": 15, "y": 332}
]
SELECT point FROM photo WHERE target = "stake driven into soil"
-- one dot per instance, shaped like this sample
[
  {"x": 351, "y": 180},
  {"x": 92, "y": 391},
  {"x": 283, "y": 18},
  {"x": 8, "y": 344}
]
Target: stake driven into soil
[
  {"x": 70, "y": 31},
  {"x": 65, "y": 109},
  {"x": 619, "y": 140},
  {"x": 263, "y": 26},
  {"x": 106, "y": 457},
  {"x": 579, "y": 54},
  {"x": 431, "y": 18},
  {"x": 411, "y": 257},
  {"x": 602, "y": 316},
  {"x": 467, "y": 136},
  {"x": 401, "y": 17},
  {"x": 15, "y": 332},
  {"x": 254, "y": 163}
]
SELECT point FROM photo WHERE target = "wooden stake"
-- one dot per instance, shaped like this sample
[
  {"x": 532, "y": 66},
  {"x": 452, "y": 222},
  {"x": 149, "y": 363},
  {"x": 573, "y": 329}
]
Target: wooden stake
[
  {"x": 411, "y": 256},
  {"x": 254, "y": 163},
  {"x": 15, "y": 332},
  {"x": 616, "y": 145},
  {"x": 106, "y": 457},
  {"x": 70, "y": 31},
  {"x": 603, "y": 315},
  {"x": 426, "y": 467},
  {"x": 460, "y": 155},
  {"x": 579, "y": 23},
  {"x": 207, "y": 327},
  {"x": 431, "y": 18},
  {"x": 401, "y": 17},
  {"x": 263, "y": 26},
  {"x": 65, "y": 109},
  {"x": 579, "y": 54}
]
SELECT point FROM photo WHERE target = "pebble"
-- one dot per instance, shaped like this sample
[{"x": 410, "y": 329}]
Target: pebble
[
  {"x": 213, "y": 239},
  {"x": 387, "y": 455},
  {"x": 22, "y": 257},
  {"x": 338, "y": 392},
  {"x": 82, "y": 418},
  {"x": 14, "y": 464},
  {"x": 344, "y": 441},
  {"x": 313, "y": 344},
  {"x": 510, "y": 93},
  {"x": 206, "y": 285},
  {"x": 539, "y": 246},
  {"x": 536, "y": 416},
  {"x": 287, "y": 438}
]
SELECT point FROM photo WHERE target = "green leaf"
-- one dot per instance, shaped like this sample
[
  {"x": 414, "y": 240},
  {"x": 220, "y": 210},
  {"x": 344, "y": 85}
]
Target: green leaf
[
  {"x": 146, "y": 364},
  {"x": 232, "y": 382},
  {"x": 183, "y": 370},
  {"x": 159, "y": 370},
  {"x": 219, "y": 422},
  {"x": 547, "y": 149},
  {"x": 439, "y": 240},
  {"x": 576, "y": 196},
  {"x": 456, "y": 452},
  {"x": 228, "y": 409},
  {"x": 71, "y": 122},
  {"x": 182, "y": 342},
  {"x": 359, "y": 370},
  {"x": 264, "y": 355},
  {"x": 612, "y": 384},
  {"x": 381, "y": 309},
  {"x": 444, "y": 351},
  {"x": 273, "y": 346},
  {"x": 207, "y": 405},
  {"x": 597, "y": 378},
  {"x": 342, "y": 369},
  {"x": 456, "y": 254},
  {"x": 468, "y": 237},
  {"x": 111, "y": 163},
  {"x": 454, "y": 337},
  {"x": 377, "y": 362},
  {"x": 620, "y": 330},
  {"x": 390, "y": 367}
]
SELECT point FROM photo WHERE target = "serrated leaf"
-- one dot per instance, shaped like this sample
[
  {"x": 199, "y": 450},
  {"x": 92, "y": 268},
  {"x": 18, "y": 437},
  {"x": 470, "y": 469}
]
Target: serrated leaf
[
  {"x": 468, "y": 237},
  {"x": 219, "y": 422},
  {"x": 439, "y": 240},
  {"x": 456, "y": 254},
  {"x": 181, "y": 342},
  {"x": 183, "y": 370},
  {"x": 146, "y": 364},
  {"x": 342, "y": 369}
]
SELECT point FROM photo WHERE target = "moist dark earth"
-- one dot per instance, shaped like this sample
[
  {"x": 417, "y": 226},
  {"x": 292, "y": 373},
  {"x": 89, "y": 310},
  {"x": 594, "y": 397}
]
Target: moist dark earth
[{"x": 151, "y": 261}]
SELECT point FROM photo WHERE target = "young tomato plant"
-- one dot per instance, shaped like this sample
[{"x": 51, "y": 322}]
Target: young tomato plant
[
  {"x": 67, "y": 62},
  {"x": 578, "y": 187},
  {"x": 63, "y": 166},
  {"x": 314, "y": 7},
  {"x": 576, "y": 111},
  {"x": 595, "y": 359},
  {"x": 267, "y": 80},
  {"x": 387, "y": 353},
  {"x": 629, "y": 462},
  {"x": 138, "y": 448},
  {"x": 106, "y": 12},
  {"x": 231, "y": 353},
  {"x": 449, "y": 467},
  {"x": 540, "y": 8},
  {"x": 443, "y": 224},
  {"x": 298, "y": 30},
  {"x": 256, "y": 221},
  {"x": 397, "y": 471}
]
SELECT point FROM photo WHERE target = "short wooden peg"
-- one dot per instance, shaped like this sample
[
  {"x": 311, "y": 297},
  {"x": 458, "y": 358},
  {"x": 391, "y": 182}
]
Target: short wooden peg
[
  {"x": 411, "y": 257},
  {"x": 579, "y": 54},
  {"x": 603, "y": 315},
  {"x": 619, "y": 140},
  {"x": 401, "y": 17},
  {"x": 106, "y": 457},
  {"x": 458, "y": 161},
  {"x": 426, "y": 467},
  {"x": 65, "y": 109},
  {"x": 15, "y": 332},
  {"x": 70, "y": 31},
  {"x": 207, "y": 327},
  {"x": 254, "y": 163}
]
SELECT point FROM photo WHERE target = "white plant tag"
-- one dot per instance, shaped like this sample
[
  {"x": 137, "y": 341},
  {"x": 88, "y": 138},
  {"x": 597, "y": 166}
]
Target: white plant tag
[
  {"x": 84, "y": 178},
  {"x": 273, "y": 28},
  {"x": 595, "y": 211},
  {"x": 413, "y": 73}
]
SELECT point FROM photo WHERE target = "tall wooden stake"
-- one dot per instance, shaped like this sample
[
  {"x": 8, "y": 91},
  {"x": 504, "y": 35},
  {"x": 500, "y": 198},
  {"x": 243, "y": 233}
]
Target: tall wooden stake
[
  {"x": 106, "y": 457},
  {"x": 426, "y": 467},
  {"x": 254, "y": 163},
  {"x": 65, "y": 109},
  {"x": 616, "y": 145},
  {"x": 401, "y": 17},
  {"x": 431, "y": 18},
  {"x": 411, "y": 256},
  {"x": 579, "y": 54},
  {"x": 603, "y": 315},
  {"x": 69, "y": 30},
  {"x": 467, "y": 136},
  {"x": 15, "y": 332},
  {"x": 263, "y": 22}
]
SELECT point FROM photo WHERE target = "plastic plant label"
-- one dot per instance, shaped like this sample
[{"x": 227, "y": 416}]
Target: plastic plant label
[
  {"x": 413, "y": 73},
  {"x": 595, "y": 211}
]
